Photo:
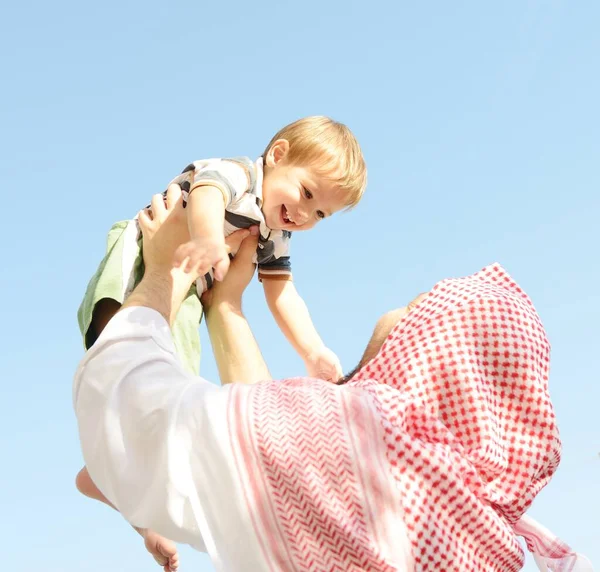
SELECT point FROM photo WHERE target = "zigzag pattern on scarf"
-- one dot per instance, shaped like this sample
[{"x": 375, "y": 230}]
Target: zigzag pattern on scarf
[{"x": 311, "y": 479}]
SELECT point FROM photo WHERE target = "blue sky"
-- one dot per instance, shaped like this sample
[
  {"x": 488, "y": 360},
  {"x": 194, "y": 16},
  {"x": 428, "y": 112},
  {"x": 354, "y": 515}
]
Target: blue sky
[{"x": 481, "y": 128}]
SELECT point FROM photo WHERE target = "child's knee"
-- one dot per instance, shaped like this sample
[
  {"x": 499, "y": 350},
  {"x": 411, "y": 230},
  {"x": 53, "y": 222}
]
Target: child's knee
[{"x": 104, "y": 310}]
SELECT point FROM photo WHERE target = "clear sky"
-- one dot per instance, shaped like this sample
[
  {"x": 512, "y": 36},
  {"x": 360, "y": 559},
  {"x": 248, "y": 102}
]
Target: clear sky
[{"x": 480, "y": 124}]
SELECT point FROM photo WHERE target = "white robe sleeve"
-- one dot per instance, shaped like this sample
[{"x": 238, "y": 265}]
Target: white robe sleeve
[{"x": 154, "y": 438}]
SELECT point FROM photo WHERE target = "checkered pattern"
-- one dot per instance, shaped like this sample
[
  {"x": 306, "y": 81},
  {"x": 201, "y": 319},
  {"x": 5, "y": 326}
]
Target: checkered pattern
[
  {"x": 460, "y": 390},
  {"x": 471, "y": 436}
]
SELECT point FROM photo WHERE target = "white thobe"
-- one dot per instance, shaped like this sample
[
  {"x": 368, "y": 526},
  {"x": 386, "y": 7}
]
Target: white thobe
[{"x": 156, "y": 442}]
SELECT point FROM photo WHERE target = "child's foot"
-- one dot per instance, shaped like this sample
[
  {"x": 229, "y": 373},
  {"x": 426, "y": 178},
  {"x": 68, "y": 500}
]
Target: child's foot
[{"x": 163, "y": 550}]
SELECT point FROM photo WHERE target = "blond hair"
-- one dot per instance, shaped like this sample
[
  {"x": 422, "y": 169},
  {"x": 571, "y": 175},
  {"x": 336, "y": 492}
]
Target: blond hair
[{"x": 331, "y": 148}]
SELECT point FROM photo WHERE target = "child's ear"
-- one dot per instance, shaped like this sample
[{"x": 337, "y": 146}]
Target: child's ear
[{"x": 277, "y": 152}]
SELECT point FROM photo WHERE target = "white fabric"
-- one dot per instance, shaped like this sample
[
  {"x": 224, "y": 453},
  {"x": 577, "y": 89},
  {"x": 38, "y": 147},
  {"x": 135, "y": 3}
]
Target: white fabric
[
  {"x": 156, "y": 441},
  {"x": 151, "y": 437}
]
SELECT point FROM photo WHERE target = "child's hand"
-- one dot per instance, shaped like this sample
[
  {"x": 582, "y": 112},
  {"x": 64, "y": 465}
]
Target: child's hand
[
  {"x": 324, "y": 364},
  {"x": 204, "y": 254}
]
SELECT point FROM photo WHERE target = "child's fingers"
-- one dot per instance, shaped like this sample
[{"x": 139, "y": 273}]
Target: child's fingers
[
  {"x": 339, "y": 373},
  {"x": 173, "y": 195},
  {"x": 181, "y": 255},
  {"x": 338, "y": 366},
  {"x": 221, "y": 268},
  {"x": 186, "y": 259},
  {"x": 190, "y": 263},
  {"x": 158, "y": 205},
  {"x": 183, "y": 264},
  {"x": 196, "y": 265},
  {"x": 145, "y": 218},
  {"x": 335, "y": 367}
]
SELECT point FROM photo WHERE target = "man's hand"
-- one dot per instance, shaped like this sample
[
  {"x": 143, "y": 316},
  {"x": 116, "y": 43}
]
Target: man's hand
[
  {"x": 164, "y": 229},
  {"x": 241, "y": 270},
  {"x": 236, "y": 352}
]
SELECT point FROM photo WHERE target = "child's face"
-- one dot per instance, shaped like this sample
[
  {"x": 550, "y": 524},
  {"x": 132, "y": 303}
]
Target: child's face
[{"x": 297, "y": 198}]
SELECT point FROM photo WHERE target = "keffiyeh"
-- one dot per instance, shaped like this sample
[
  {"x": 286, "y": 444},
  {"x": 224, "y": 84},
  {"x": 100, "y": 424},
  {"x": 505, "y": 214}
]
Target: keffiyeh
[{"x": 450, "y": 426}]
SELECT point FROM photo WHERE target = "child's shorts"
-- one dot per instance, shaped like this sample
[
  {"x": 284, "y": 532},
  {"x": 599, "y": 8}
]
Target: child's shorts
[{"x": 119, "y": 272}]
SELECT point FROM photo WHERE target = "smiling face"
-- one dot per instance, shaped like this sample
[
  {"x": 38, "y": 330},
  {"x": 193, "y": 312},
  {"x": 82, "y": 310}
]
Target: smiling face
[{"x": 295, "y": 197}]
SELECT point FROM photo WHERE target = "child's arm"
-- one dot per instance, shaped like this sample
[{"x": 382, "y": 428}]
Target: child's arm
[
  {"x": 206, "y": 247},
  {"x": 292, "y": 317},
  {"x": 211, "y": 185}
]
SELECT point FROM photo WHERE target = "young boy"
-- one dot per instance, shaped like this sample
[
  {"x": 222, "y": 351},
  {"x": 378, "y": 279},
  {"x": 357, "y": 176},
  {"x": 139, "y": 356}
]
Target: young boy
[{"x": 311, "y": 169}]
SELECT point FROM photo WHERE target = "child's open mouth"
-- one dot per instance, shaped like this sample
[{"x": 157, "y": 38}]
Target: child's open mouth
[{"x": 285, "y": 215}]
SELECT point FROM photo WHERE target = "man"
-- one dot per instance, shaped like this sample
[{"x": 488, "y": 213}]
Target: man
[{"x": 426, "y": 458}]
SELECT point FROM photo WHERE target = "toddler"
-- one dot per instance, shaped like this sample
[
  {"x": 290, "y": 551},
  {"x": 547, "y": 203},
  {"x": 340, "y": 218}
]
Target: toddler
[{"x": 310, "y": 170}]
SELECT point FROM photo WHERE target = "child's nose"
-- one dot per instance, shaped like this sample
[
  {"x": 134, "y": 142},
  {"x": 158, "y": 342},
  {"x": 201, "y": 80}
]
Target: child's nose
[{"x": 302, "y": 216}]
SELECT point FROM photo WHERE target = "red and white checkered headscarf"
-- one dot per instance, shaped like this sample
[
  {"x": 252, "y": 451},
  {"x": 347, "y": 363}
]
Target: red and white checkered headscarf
[{"x": 455, "y": 406}]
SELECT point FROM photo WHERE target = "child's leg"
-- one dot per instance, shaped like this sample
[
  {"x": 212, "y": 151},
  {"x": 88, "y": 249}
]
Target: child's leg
[
  {"x": 118, "y": 272},
  {"x": 104, "y": 310}
]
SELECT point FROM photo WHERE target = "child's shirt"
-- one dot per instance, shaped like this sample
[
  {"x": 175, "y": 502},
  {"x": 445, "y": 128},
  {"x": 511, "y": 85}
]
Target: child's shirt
[{"x": 240, "y": 181}]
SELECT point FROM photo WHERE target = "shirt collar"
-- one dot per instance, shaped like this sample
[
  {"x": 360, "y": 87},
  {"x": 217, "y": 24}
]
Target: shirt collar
[
  {"x": 265, "y": 231},
  {"x": 259, "y": 181}
]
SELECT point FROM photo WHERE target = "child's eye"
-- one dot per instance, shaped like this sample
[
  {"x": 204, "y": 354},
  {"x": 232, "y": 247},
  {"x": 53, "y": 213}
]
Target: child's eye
[
  {"x": 308, "y": 194},
  {"x": 320, "y": 214}
]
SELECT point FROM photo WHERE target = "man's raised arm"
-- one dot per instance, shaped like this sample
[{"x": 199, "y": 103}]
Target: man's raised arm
[
  {"x": 236, "y": 352},
  {"x": 143, "y": 421}
]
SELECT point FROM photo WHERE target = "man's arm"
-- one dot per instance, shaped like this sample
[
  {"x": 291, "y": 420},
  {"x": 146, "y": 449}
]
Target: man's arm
[
  {"x": 129, "y": 389},
  {"x": 235, "y": 349},
  {"x": 145, "y": 423},
  {"x": 164, "y": 288}
]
